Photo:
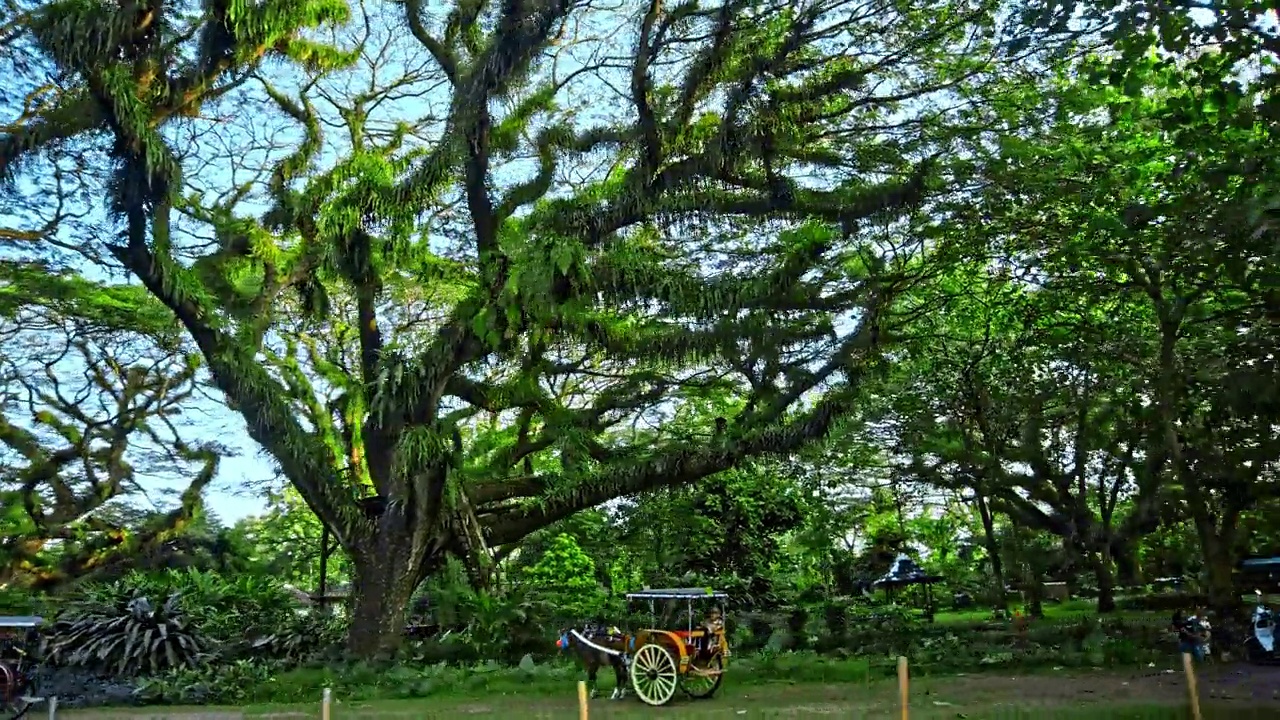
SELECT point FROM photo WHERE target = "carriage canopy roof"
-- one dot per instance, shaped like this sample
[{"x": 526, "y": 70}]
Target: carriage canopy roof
[
  {"x": 21, "y": 621},
  {"x": 676, "y": 594}
]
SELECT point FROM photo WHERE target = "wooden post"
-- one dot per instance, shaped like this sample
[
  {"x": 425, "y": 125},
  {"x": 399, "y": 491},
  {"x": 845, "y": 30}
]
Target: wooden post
[
  {"x": 1192, "y": 693},
  {"x": 903, "y": 693},
  {"x": 325, "y": 699},
  {"x": 582, "y": 700},
  {"x": 53, "y": 708}
]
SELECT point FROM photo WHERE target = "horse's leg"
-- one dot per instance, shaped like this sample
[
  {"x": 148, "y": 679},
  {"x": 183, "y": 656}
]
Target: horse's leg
[
  {"x": 620, "y": 673},
  {"x": 593, "y": 668}
]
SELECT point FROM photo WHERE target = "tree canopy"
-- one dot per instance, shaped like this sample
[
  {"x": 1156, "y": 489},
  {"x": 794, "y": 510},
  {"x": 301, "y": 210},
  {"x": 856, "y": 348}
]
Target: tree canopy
[{"x": 468, "y": 269}]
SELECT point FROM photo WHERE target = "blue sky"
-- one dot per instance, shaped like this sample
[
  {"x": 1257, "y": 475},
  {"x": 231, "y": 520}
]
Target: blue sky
[{"x": 233, "y": 495}]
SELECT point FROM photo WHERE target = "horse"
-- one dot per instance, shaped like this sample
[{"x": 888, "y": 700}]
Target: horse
[{"x": 597, "y": 646}]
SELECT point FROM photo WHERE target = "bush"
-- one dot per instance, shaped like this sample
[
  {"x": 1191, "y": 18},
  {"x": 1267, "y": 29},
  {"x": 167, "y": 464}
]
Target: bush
[
  {"x": 225, "y": 610},
  {"x": 221, "y": 684},
  {"x": 240, "y": 617},
  {"x": 125, "y": 638},
  {"x": 565, "y": 577},
  {"x": 17, "y": 602},
  {"x": 302, "y": 638}
]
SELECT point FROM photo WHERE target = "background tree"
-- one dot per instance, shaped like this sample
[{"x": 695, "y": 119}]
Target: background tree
[
  {"x": 284, "y": 541},
  {"x": 94, "y": 388},
  {"x": 1163, "y": 237}
]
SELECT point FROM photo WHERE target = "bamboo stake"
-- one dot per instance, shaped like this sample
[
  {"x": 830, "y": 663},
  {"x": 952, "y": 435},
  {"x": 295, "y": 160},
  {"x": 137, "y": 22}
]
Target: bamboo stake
[
  {"x": 903, "y": 692},
  {"x": 325, "y": 699},
  {"x": 1192, "y": 692},
  {"x": 582, "y": 700}
]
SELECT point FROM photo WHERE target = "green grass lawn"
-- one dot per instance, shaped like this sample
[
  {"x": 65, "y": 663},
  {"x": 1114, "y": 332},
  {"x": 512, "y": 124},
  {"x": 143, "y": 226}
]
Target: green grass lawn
[
  {"x": 1078, "y": 697},
  {"x": 798, "y": 685},
  {"x": 1070, "y": 610}
]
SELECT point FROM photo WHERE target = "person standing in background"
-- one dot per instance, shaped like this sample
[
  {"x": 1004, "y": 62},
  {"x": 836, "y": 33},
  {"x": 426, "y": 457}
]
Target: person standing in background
[{"x": 1193, "y": 633}]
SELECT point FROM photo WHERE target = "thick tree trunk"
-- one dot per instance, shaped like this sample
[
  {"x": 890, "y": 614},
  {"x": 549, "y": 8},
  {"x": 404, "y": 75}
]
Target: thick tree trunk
[
  {"x": 1035, "y": 597},
  {"x": 381, "y": 590},
  {"x": 1220, "y": 562},
  {"x": 1104, "y": 569},
  {"x": 1128, "y": 572},
  {"x": 993, "y": 552}
]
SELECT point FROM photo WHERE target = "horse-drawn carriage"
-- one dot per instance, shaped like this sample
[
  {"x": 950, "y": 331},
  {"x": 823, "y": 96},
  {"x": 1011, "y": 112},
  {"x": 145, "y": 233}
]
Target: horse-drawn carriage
[
  {"x": 655, "y": 662},
  {"x": 17, "y": 640},
  {"x": 692, "y": 658}
]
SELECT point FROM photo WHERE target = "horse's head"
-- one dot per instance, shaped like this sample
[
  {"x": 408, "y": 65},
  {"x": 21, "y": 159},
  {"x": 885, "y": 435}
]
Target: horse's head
[{"x": 570, "y": 634}]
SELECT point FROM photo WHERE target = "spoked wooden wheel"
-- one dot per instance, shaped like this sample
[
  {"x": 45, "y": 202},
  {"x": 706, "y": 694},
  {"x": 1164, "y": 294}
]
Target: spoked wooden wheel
[
  {"x": 12, "y": 703},
  {"x": 703, "y": 678},
  {"x": 653, "y": 675}
]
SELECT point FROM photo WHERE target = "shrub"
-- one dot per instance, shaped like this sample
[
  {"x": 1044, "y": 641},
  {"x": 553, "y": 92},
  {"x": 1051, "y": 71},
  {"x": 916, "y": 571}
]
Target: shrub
[
  {"x": 125, "y": 638},
  {"x": 236, "y": 617},
  {"x": 565, "y": 577},
  {"x": 224, "y": 610},
  {"x": 502, "y": 627},
  {"x": 302, "y": 639},
  {"x": 224, "y": 684}
]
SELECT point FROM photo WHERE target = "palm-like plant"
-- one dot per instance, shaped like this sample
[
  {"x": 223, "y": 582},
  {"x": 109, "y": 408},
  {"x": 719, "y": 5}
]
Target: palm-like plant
[{"x": 126, "y": 638}]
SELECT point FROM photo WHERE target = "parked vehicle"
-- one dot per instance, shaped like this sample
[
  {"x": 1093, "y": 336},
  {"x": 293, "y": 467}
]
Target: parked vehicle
[{"x": 1260, "y": 644}]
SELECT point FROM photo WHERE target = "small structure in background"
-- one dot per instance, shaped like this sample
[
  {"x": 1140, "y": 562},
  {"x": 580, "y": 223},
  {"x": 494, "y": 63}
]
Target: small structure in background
[
  {"x": 1055, "y": 591},
  {"x": 904, "y": 573},
  {"x": 1260, "y": 572},
  {"x": 335, "y": 595},
  {"x": 1173, "y": 585}
]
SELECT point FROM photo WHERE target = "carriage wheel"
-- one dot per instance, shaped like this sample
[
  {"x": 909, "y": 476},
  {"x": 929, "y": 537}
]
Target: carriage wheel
[
  {"x": 701, "y": 687},
  {"x": 653, "y": 675},
  {"x": 8, "y": 687},
  {"x": 12, "y": 705}
]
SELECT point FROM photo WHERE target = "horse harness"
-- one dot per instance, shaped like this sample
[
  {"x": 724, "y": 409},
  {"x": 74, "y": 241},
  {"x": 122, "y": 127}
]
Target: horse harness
[{"x": 613, "y": 635}]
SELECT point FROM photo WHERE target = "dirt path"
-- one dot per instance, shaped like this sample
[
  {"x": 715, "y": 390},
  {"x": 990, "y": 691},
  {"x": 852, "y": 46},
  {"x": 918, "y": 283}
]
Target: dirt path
[
  {"x": 1231, "y": 684},
  {"x": 1226, "y": 692}
]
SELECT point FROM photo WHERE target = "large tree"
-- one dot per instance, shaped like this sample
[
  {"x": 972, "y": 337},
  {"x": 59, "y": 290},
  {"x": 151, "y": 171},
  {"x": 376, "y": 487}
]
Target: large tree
[{"x": 570, "y": 246}]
